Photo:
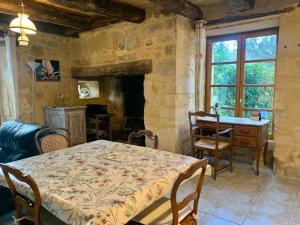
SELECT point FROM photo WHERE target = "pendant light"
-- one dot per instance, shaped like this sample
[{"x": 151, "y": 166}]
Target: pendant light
[
  {"x": 22, "y": 25},
  {"x": 23, "y": 39}
]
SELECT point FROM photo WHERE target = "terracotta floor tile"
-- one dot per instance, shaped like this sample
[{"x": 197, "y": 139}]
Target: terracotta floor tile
[
  {"x": 259, "y": 218},
  {"x": 212, "y": 220}
]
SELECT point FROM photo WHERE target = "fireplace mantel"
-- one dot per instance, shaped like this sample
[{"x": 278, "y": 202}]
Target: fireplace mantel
[{"x": 140, "y": 67}]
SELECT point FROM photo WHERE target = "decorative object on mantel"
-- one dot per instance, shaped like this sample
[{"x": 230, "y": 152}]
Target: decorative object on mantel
[
  {"x": 47, "y": 70},
  {"x": 255, "y": 116},
  {"x": 3, "y": 33},
  {"x": 88, "y": 89},
  {"x": 61, "y": 99},
  {"x": 22, "y": 25}
]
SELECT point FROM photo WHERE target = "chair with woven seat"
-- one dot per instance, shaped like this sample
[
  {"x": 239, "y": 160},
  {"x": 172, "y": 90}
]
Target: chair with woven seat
[
  {"x": 28, "y": 211},
  {"x": 170, "y": 211},
  {"x": 52, "y": 139},
  {"x": 144, "y": 133},
  {"x": 208, "y": 137}
]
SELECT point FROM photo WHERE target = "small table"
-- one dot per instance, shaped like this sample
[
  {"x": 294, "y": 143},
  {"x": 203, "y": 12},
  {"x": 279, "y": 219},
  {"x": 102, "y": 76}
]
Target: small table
[
  {"x": 101, "y": 182},
  {"x": 246, "y": 133}
]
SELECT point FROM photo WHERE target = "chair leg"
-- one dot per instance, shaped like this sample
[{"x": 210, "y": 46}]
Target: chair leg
[
  {"x": 231, "y": 159},
  {"x": 201, "y": 155},
  {"x": 216, "y": 164}
]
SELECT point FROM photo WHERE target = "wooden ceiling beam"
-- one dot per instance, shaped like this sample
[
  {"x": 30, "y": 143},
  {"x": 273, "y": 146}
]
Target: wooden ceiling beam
[
  {"x": 43, "y": 13},
  {"x": 181, "y": 7},
  {"x": 240, "y": 5},
  {"x": 44, "y": 27},
  {"x": 247, "y": 16},
  {"x": 105, "y": 8}
]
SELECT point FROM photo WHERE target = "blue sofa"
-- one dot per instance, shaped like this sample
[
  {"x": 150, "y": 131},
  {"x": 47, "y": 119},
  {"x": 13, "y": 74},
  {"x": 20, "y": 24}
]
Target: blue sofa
[{"x": 16, "y": 142}]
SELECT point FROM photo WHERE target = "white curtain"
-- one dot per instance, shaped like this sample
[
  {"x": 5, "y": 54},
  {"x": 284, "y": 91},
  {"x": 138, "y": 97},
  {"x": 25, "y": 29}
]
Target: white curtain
[
  {"x": 200, "y": 71},
  {"x": 8, "y": 79}
]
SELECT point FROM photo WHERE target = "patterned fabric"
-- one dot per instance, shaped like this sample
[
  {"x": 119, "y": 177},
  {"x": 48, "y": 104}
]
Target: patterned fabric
[{"x": 101, "y": 182}]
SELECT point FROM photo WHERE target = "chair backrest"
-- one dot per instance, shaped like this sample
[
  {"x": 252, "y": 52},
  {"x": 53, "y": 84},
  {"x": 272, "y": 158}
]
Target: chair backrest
[
  {"x": 24, "y": 206},
  {"x": 200, "y": 126},
  {"x": 52, "y": 139},
  {"x": 194, "y": 196},
  {"x": 147, "y": 133}
]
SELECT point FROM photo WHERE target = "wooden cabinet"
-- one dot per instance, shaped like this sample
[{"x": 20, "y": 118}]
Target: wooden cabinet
[{"x": 70, "y": 118}]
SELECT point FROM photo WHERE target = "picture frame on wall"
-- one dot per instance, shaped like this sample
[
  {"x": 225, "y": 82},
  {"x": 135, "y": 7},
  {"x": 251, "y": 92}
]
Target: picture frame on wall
[{"x": 47, "y": 70}]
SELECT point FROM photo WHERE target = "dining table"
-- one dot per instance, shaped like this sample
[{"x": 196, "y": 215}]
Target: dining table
[{"x": 101, "y": 182}]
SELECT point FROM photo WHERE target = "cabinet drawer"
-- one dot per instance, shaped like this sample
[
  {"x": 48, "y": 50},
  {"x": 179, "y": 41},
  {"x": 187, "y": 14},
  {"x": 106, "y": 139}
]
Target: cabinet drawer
[
  {"x": 245, "y": 131},
  {"x": 244, "y": 141}
]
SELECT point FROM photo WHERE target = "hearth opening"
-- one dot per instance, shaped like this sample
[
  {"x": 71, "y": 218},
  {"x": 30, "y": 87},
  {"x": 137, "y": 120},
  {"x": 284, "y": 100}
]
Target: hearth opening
[{"x": 132, "y": 90}]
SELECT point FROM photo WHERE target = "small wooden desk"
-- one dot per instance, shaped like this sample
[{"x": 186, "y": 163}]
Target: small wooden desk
[{"x": 246, "y": 133}]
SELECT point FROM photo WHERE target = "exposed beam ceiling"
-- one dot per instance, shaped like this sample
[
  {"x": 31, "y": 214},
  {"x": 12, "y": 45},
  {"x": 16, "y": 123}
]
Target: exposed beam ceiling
[
  {"x": 105, "y": 8},
  {"x": 44, "y": 26},
  {"x": 72, "y": 16},
  {"x": 45, "y": 14},
  {"x": 181, "y": 7},
  {"x": 246, "y": 16},
  {"x": 240, "y": 5},
  {"x": 261, "y": 8}
]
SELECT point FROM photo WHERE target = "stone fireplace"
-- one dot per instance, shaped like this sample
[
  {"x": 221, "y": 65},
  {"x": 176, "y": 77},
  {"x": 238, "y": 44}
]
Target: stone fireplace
[{"x": 168, "y": 87}]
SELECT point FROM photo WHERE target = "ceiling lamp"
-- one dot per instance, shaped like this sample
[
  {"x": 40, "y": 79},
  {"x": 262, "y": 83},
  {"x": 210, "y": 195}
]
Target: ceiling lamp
[
  {"x": 23, "y": 40},
  {"x": 22, "y": 25}
]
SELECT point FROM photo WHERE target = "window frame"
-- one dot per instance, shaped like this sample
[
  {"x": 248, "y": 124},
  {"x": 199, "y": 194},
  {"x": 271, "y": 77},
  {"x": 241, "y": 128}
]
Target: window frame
[{"x": 240, "y": 70}]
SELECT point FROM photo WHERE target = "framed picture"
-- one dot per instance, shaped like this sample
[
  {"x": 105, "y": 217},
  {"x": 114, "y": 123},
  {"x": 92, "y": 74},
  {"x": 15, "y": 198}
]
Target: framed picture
[{"x": 47, "y": 70}]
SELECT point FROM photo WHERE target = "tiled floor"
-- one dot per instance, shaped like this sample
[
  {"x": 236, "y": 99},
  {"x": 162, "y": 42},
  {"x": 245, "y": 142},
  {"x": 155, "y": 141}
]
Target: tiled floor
[
  {"x": 243, "y": 198},
  {"x": 246, "y": 199}
]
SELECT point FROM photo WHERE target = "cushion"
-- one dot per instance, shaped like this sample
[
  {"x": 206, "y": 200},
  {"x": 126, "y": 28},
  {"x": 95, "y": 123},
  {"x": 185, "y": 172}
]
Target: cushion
[
  {"x": 211, "y": 144},
  {"x": 17, "y": 138}
]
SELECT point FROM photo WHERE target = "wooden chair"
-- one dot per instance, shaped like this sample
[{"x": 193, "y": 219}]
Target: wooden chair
[
  {"x": 147, "y": 133},
  {"x": 169, "y": 211},
  {"x": 215, "y": 144},
  {"x": 50, "y": 139},
  {"x": 27, "y": 211}
]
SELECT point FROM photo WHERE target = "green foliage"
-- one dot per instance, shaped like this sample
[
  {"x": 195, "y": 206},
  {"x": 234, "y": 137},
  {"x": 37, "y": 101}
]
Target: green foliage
[{"x": 256, "y": 73}]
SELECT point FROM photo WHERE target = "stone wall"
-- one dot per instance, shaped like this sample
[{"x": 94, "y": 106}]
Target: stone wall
[
  {"x": 154, "y": 39},
  {"x": 185, "y": 81},
  {"x": 168, "y": 94},
  {"x": 287, "y": 97},
  {"x": 43, "y": 46}
]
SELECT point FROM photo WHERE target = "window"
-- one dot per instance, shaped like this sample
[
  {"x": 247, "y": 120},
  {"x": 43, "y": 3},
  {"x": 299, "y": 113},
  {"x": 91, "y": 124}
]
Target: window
[{"x": 241, "y": 73}]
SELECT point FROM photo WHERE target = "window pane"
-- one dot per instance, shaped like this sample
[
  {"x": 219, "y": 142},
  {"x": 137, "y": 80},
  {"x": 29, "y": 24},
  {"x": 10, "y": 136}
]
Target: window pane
[
  {"x": 224, "y": 51},
  {"x": 263, "y": 47},
  {"x": 260, "y": 73},
  {"x": 264, "y": 115},
  {"x": 223, "y": 74},
  {"x": 224, "y": 96},
  {"x": 224, "y": 112},
  {"x": 258, "y": 97}
]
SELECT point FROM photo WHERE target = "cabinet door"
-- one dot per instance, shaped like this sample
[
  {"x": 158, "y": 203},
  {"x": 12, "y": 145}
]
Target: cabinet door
[
  {"x": 76, "y": 126},
  {"x": 54, "y": 118}
]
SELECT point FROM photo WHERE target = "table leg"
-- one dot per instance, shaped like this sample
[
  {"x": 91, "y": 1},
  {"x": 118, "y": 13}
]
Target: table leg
[
  {"x": 258, "y": 149},
  {"x": 109, "y": 129},
  {"x": 266, "y": 153},
  {"x": 97, "y": 129}
]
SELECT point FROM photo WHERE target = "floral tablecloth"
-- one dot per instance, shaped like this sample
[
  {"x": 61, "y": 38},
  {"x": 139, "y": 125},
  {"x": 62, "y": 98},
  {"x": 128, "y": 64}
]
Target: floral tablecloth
[{"x": 101, "y": 182}]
